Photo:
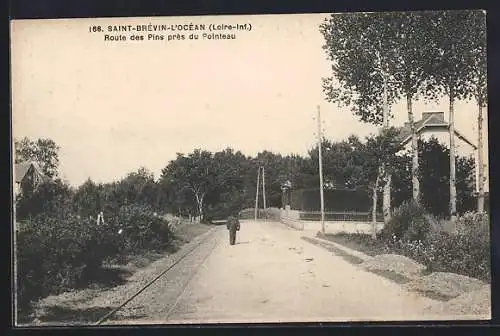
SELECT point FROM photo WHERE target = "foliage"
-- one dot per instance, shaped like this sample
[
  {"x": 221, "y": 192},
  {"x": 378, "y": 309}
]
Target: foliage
[
  {"x": 473, "y": 224},
  {"x": 408, "y": 222},
  {"x": 362, "y": 49},
  {"x": 140, "y": 229},
  {"x": 372, "y": 53},
  {"x": 51, "y": 198},
  {"x": 193, "y": 173},
  {"x": 434, "y": 176},
  {"x": 88, "y": 199},
  {"x": 138, "y": 188},
  {"x": 60, "y": 247},
  {"x": 43, "y": 151},
  {"x": 465, "y": 251},
  {"x": 426, "y": 52},
  {"x": 454, "y": 45},
  {"x": 56, "y": 254}
]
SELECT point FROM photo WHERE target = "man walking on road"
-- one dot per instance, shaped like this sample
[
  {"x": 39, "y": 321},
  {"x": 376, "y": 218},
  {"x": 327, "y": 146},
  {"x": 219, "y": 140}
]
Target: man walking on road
[{"x": 233, "y": 225}]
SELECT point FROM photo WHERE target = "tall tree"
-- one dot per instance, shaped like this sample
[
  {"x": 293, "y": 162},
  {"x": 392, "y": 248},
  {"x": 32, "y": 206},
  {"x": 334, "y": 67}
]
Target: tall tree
[
  {"x": 43, "y": 151},
  {"x": 192, "y": 172},
  {"x": 412, "y": 60},
  {"x": 377, "y": 58},
  {"x": 451, "y": 69},
  {"x": 361, "y": 48},
  {"x": 477, "y": 35}
]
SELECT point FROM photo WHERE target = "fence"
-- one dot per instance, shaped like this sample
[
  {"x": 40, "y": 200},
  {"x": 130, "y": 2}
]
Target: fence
[
  {"x": 346, "y": 221},
  {"x": 340, "y": 216},
  {"x": 335, "y": 200},
  {"x": 334, "y": 221}
]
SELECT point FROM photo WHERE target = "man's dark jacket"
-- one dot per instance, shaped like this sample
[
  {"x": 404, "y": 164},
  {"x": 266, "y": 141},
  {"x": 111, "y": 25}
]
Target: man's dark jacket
[{"x": 233, "y": 223}]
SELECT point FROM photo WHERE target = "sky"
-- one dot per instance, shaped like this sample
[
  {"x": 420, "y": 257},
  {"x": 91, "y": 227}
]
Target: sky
[{"x": 113, "y": 107}]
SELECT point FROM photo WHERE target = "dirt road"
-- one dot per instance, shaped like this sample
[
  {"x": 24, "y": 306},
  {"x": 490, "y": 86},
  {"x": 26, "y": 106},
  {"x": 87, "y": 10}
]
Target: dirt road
[{"x": 271, "y": 275}]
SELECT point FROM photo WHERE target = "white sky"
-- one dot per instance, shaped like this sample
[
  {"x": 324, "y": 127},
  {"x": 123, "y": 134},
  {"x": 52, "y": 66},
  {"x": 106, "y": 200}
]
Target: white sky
[{"x": 115, "y": 106}]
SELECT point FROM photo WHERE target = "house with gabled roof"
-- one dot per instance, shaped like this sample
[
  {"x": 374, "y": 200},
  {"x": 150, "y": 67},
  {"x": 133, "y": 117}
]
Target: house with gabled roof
[
  {"x": 28, "y": 174},
  {"x": 434, "y": 125}
]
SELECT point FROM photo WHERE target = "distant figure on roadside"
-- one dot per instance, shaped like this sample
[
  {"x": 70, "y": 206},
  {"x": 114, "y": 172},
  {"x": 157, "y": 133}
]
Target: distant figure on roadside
[{"x": 233, "y": 225}]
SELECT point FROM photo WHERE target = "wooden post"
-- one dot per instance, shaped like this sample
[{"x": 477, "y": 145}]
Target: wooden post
[
  {"x": 321, "y": 174},
  {"x": 264, "y": 188},
  {"x": 257, "y": 194}
]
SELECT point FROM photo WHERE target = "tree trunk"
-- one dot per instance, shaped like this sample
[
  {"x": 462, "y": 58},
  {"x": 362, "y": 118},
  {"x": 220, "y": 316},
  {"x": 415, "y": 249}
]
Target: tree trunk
[
  {"x": 374, "y": 208},
  {"x": 200, "y": 211},
  {"x": 480, "y": 165},
  {"x": 199, "y": 201},
  {"x": 387, "y": 198},
  {"x": 414, "y": 150},
  {"x": 453, "y": 190}
]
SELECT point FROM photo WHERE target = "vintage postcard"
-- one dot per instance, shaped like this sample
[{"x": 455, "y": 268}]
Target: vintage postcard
[{"x": 251, "y": 169}]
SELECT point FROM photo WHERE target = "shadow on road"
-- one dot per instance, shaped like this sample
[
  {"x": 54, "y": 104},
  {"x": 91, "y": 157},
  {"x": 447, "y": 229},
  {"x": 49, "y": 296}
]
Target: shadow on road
[{"x": 243, "y": 242}]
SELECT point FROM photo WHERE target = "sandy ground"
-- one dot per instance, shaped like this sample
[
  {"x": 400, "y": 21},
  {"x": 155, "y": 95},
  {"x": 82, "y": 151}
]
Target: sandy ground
[{"x": 271, "y": 275}]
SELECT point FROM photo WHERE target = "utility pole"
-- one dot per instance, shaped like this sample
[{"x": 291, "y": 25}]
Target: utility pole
[
  {"x": 257, "y": 194},
  {"x": 321, "y": 173},
  {"x": 264, "y": 188}
]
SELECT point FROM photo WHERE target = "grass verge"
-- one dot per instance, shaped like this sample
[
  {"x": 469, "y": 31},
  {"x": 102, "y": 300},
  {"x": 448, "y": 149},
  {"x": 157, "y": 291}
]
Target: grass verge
[
  {"x": 346, "y": 256},
  {"x": 366, "y": 246}
]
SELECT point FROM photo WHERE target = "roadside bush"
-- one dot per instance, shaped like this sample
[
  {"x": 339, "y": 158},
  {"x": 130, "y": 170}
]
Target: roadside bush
[
  {"x": 474, "y": 225},
  {"x": 140, "y": 228},
  {"x": 409, "y": 222},
  {"x": 473, "y": 241},
  {"x": 50, "y": 198},
  {"x": 55, "y": 254},
  {"x": 89, "y": 199},
  {"x": 466, "y": 251}
]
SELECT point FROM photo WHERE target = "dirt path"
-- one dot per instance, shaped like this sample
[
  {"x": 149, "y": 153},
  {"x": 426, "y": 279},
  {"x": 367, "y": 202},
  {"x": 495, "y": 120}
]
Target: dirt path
[{"x": 271, "y": 275}]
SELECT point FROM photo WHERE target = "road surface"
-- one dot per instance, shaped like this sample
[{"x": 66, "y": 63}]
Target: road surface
[{"x": 271, "y": 275}]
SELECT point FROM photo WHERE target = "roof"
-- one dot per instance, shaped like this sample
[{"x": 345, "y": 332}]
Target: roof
[
  {"x": 430, "y": 120},
  {"x": 22, "y": 168}
]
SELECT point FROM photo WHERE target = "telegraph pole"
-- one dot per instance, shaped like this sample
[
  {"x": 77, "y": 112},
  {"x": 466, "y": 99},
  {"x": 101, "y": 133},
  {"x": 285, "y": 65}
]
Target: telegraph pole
[
  {"x": 321, "y": 173},
  {"x": 264, "y": 188},
  {"x": 257, "y": 195}
]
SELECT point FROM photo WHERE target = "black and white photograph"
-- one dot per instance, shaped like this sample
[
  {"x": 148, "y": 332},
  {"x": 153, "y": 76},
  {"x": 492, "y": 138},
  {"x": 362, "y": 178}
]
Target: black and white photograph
[{"x": 278, "y": 168}]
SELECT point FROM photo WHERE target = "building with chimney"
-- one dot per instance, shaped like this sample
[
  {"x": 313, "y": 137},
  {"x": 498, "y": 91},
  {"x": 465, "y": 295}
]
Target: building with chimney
[{"x": 434, "y": 125}]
